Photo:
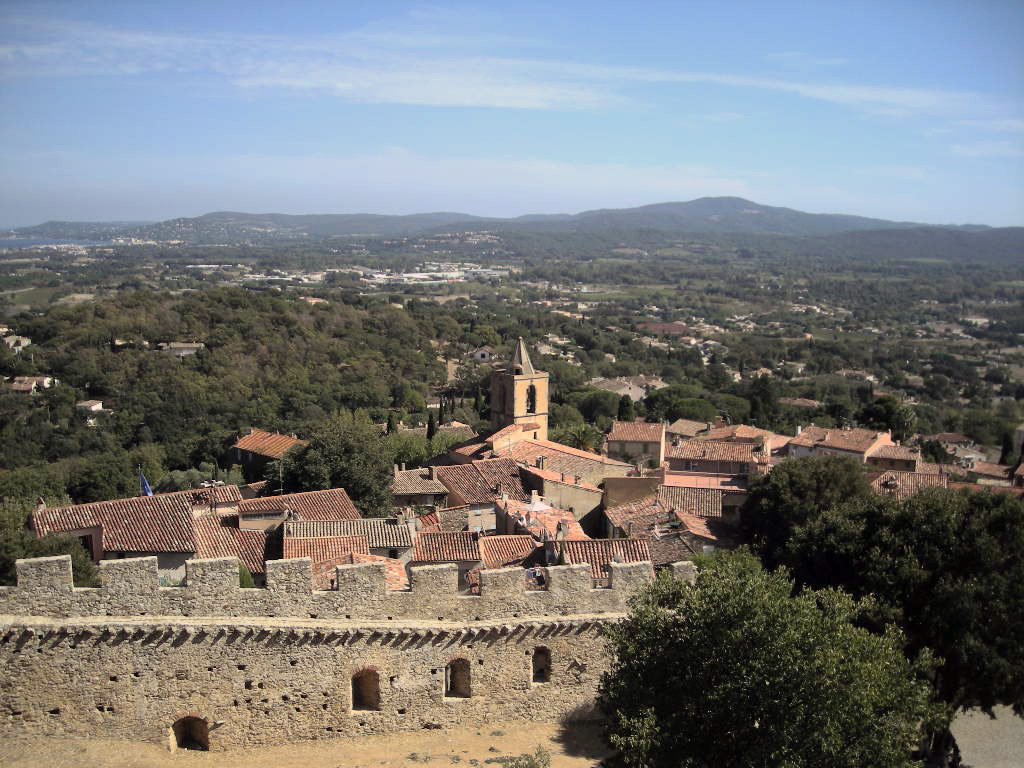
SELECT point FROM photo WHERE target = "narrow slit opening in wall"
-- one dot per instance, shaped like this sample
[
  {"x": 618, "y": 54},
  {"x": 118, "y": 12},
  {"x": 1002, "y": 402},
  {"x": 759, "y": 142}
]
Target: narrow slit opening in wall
[
  {"x": 541, "y": 665},
  {"x": 457, "y": 679}
]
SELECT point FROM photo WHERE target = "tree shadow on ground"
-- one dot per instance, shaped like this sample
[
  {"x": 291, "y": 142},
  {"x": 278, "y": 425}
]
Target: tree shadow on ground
[{"x": 581, "y": 734}]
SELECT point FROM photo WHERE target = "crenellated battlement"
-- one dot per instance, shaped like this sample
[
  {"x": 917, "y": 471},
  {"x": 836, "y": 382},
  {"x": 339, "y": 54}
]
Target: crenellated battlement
[{"x": 131, "y": 588}]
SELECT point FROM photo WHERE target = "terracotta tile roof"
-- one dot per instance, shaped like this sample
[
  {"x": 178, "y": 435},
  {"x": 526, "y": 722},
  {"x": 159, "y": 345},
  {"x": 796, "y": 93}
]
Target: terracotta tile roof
[
  {"x": 599, "y": 552},
  {"x": 165, "y": 522},
  {"x": 428, "y": 519},
  {"x": 414, "y": 482},
  {"x": 476, "y": 446},
  {"x": 591, "y": 467},
  {"x": 332, "y": 504},
  {"x": 636, "y": 432},
  {"x": 706, "y": 528},
  {"x": 383, "y": 533},
  {"x": 158, "y": 523},
  {"x": 503, "y": 474},
  {"x": 541, "y": 521},
  {"x": 559, "y": 477},
  {"x": 702, "y": 502},
  {"x": 446, "y": 547},
  {"x": 928, "y": 468},
  {"x": 901, "y": 452},
  {"x": 1019, "y": 471},
  {"x": 321, "y": 548},
  {"x": 269, "y": 444},
  {"x": 686, "y": 427},
  {"x": 990, "y": 469},
  {"x": 219, "y": 536},
  {"x": 707, "y": 450},
  {"x": 632, "y": 512},
  {"x": 478, "y": 481},
  {"x": 903, "y": 485},
  {"x": 736, "y": 432},
  {"x": 855, "y": 440},
  {"x": 505, "y": 551},
  {"x": 673, "y": 479}
]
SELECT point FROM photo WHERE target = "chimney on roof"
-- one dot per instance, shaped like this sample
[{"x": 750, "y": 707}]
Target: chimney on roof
[
  {"x": 799, "y": 429},
  {"x": 432, "y": 472},
  {"x": 534, "y": 497},
  {"x": 395, "y": 471},
  {"x": 541, "y": 461},
  {"x": 403, "y": 466}
]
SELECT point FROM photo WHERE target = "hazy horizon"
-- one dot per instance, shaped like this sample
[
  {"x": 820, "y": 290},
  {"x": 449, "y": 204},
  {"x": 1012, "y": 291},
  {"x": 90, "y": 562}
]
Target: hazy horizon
[{"x": 128, "y": 111}]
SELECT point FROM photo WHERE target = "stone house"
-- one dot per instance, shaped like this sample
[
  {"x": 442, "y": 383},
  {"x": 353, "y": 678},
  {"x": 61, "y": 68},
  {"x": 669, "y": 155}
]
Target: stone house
[
  {"x": 386, "y": 537},
  {"x": 637, "y": 441},
  {"x": 256, "y": 449},
  {"x": 418, "y": 488},
  {"x": 854, "y": 443},
  {"x": 708, "y": 456}
]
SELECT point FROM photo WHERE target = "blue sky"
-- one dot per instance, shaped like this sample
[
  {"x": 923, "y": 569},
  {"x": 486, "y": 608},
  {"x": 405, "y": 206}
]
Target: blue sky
[{"x": 142, "y": 110}]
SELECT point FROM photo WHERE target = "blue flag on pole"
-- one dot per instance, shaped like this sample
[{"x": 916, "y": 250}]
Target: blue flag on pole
[{"x": 144, "y": 485}]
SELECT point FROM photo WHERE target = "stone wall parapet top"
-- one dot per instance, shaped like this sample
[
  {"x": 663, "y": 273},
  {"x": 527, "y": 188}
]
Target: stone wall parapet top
[{"x": 130, "y": 587}]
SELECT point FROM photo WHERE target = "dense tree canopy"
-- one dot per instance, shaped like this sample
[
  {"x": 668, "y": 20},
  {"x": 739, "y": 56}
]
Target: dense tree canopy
[
  {"x": 946, "y": 567},
  {"x": 737, "y": 671}
]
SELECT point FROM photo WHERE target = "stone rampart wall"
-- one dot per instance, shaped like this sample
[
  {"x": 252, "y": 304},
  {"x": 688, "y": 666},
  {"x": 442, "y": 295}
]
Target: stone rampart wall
[
  {"x": 259, "y": 683},
  {"x": 131, "y": 588},
  {"x": 129, "y": 659}
]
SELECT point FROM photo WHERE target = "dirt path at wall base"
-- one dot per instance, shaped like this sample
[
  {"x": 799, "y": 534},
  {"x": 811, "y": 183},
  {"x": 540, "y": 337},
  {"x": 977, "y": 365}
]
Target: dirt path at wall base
[{"x": 580, "y": 746}]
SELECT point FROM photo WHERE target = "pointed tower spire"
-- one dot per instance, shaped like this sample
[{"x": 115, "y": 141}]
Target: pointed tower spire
[{"x": 521, "y": 359}]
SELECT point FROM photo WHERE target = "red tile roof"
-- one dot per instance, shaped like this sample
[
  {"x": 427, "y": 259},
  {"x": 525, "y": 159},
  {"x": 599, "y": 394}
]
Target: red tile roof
[
  {"x": 158, "y": 523},
  {"x": 446, "y": 547},
  {"x": 725, "y": 482},
  {"x": 707, "y": 450},
  {"x": 504, "y": 551},
  {"x": 903, "y": 485},
  {"x": 269, "y": 444},
  {"x": 332, "y": 504},
  {"x": 703, "y": 502},
  {"x": 542, "y": 521},
  {"x": 990, "y": 469},
  {"x": 599, "y": 552},
  {"x": 321, "y": 548},
  {"x": 686, "y": 427},
  {"x": 736, "y": 433},
  {"x": 219, "y": 536},
  {"x": 416, "y": 482},
  {"x": 901, "y": 452},
  {"x": 559, "y": 477},
  {"x": 478, "y": 482},
  {"x": 636, "y": 432},
  {"x": 854, "y": 440},
  {"x": 384, "y": 533},
  {"x": 561, "y": 458}
]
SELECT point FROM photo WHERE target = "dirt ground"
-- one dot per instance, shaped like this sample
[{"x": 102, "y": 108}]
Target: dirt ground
[
  {"x": 579, "y": 746},
  {"x": 985, "y": 743}
]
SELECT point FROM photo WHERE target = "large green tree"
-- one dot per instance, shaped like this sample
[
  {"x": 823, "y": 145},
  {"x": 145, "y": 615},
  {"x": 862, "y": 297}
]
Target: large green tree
[
  {"x": 946, "y": 567},
  {"x": 736, "y": 670},
  {"x": 344, "y": 452}
]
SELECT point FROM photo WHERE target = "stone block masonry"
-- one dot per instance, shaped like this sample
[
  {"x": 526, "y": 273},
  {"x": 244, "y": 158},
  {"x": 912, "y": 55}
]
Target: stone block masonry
[{"x": 216, "y": 665}]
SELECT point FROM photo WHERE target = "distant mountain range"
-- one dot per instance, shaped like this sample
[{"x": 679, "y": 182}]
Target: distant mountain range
[{"x": 707, "y": 215}]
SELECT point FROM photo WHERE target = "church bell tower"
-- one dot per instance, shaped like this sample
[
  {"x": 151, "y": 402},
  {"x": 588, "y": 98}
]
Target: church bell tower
[{"x": 519, "y": 394}]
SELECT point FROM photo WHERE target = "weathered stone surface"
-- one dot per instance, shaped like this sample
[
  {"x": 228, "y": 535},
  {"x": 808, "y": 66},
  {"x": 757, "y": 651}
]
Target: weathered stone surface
[{"x": 128, "y": 659}]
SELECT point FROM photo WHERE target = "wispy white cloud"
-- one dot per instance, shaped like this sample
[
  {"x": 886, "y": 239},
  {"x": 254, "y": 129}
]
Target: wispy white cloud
[
  {"x": 996, "y": 126},
  {"x": 409, "y": 66},
  {"x": 989, "y": 149}
]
